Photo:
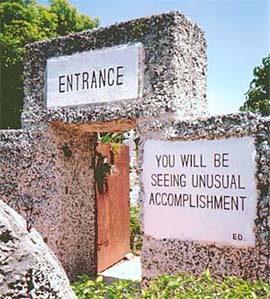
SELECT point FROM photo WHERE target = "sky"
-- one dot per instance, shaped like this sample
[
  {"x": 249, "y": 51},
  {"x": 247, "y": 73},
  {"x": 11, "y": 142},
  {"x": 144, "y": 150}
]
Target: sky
[{"x": 237, "y": 34}]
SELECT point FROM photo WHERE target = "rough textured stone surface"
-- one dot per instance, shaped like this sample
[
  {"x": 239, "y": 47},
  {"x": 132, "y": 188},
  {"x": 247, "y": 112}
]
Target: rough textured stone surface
[
  {"x": 28, "y": 268},
  {"x": 47, "y": 176},
  {"x": 46, "y": 169},
  {"x": 174, "y": 71},
  {"x": 175, "y": 256}
]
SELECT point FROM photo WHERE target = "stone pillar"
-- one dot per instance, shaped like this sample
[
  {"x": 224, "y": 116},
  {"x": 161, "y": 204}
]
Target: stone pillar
[
  {"x": 222, "y": 250},
  {"x": 47, "y": 176}
]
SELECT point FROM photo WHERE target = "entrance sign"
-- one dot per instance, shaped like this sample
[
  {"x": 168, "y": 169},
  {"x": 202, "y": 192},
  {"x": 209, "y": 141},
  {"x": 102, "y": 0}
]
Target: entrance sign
[
  {"x": 96, "y": 76},
  {"x": 201, "y": 190}
]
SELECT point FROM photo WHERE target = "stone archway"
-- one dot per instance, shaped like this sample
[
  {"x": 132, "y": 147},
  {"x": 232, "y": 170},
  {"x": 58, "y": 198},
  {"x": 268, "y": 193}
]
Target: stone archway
[{"x": 48, "y": 166}]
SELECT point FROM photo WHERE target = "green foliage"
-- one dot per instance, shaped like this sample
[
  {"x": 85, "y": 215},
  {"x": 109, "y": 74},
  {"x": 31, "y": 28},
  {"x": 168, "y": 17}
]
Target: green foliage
[
  {"x": 258, "y": 95},
  {"x": 204, "y": 286},
  {"x": 103, "y": 168},
  {"x": 111, "y": 137},
  {"x": 67, "y": 151},
  {"x": 68, "y": 19},
  {"x": 114, "y": 139},
  {"x": 22, "y": 22},
  {"x": 89, "y": 289},
  {"x": 174, "y": 287},
  {"x": 135, "y": 230}
]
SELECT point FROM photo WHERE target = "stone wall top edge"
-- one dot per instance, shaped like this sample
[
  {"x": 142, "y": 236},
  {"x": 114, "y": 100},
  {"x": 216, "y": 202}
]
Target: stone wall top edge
[
  {"x": 213, "y": 127},
  {"x": 165, "y": 20},
  {"x": 232, "y": 117},
  {"x": 221, "y": 126},
  {"x": 13, "y": 135},
  {"x": 14, "y": 132}
]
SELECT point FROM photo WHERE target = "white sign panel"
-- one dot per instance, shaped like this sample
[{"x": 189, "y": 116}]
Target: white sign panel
[
  {"x": 201, "y": 190},
  {"x": 95, "y": 76}
]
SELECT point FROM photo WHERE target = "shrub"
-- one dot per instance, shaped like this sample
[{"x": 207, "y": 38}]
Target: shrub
[
  {"x": 120, "y": 289},
  {"x": 205, "y": 287},
  {"x": 135, "y": 230},
  {"x": 174, "y": 287}
]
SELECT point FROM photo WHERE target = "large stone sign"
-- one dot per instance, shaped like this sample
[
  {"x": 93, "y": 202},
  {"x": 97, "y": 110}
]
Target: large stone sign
[
  {"x": 202, "y": 190},
  {"x": 156, "y": 66},
  {"x": 96, "y": 76},
  {"x": 206, "y": 197}
]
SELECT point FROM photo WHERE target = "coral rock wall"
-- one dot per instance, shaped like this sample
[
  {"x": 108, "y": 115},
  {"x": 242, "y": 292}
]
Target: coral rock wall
[
  {"x": 174, "y": 71},
  {"x": 47, "y": 176}
]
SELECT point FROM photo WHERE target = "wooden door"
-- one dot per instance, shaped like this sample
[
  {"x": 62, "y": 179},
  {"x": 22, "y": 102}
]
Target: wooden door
[{"x": 113, "y": 209}]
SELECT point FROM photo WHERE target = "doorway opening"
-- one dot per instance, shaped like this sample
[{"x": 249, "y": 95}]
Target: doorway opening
[{"x": 117, "y": 188}]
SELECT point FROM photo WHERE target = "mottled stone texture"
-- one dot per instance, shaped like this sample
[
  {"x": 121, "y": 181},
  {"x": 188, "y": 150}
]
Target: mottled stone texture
[
  {"x": 28, "y": 268},
  {"x": 176, "y": 256},
  {"x": 174, "y": 71},
  {"x": 47, "y": 176},
  {"x": 47, "y": 168}
]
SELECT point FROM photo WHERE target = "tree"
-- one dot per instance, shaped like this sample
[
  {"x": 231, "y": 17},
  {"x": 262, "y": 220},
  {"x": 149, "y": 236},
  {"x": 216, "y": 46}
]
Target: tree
[
  {"x": 22, "y": 22},
  {"x": 258, "y": 95}
]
